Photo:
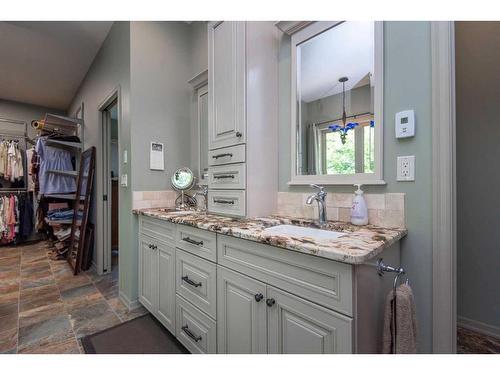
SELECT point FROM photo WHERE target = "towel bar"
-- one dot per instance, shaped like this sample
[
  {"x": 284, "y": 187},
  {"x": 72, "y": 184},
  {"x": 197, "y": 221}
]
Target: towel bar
[{"x": 383, "y": 268}]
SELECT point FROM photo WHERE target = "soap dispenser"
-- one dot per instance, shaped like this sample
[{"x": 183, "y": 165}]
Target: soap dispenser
[{"x": 359, "y": 211}]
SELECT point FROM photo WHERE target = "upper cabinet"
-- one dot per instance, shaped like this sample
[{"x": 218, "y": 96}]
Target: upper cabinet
[
  {"x": 227, "y": 80},
  {"x": 242, "y": 118}
]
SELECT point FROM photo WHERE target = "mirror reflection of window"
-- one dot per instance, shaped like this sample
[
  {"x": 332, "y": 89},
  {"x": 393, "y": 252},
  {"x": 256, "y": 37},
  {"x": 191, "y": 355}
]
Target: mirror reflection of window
[{"x": 335, "y": 89}]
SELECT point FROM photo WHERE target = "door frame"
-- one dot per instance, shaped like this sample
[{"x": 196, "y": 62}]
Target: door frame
[
  {"x": 104, "y": 183},
  {"x": 444, "y": 305}
]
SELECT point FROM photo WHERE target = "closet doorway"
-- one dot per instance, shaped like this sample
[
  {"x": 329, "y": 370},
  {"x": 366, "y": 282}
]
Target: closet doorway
[{"x": 110, "y": 188}]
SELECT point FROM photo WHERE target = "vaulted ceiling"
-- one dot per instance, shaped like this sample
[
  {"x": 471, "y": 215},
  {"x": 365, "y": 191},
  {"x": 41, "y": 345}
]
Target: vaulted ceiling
[
  {"x": 346, "y": 50},
  {"x": 43, "y": 63}
]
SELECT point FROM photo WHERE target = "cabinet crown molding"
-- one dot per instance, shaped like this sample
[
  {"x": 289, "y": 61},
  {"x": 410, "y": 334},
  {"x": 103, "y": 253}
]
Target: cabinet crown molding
[
  {"x": 199, "y": 80},
  {"x": 291, "y": 27}
]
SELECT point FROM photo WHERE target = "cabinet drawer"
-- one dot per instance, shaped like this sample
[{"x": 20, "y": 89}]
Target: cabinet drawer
[
  {"x": 232, "y": 176},
  {"x": 227, "y": 202},
  {"x": 197, "y": 241},
  {"x": 196, "y": 281},
  {"x": 322, "y": 281},
  {"x": 158, "y": 229},
  {"x": 194, "y": 329},
  {"x": 227, "y": 155}
]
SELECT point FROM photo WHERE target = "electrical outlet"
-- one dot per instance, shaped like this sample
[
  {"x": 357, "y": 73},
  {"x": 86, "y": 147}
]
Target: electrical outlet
[{"x": 406, "y": 168}]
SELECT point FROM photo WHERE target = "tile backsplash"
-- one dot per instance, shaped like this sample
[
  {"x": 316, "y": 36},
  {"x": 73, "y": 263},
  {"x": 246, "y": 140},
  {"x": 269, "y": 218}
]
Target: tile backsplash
[
  {"x": 385, "y": 210},
  {"x": 153, "y": 199}
]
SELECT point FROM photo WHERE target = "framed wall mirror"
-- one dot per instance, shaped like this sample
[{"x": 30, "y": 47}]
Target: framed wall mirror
[{"x": 337, "y": 103}]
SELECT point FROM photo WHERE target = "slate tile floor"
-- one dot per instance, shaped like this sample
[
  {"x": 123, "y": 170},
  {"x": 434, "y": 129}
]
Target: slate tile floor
[
  {"x": 470, "y": 342},
  {"x": 45, "y": 309}
]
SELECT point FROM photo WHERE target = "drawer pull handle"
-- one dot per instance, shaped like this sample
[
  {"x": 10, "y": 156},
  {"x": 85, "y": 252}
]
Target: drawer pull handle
[
  {"x": 223, "y": 201},
  {"x": 222, "y": 155},
  {"x": 239, "y": 135},
  {"x": 197, "y": 243},
  {"x": 190, "y": 334},
  {"x": 151, "y": 246},
  {"x": 190, "y": 282},
  {"x": 270, "y": 302},
  {"x": 258, "y": 297},
  {"x": 224, "y": 176}
]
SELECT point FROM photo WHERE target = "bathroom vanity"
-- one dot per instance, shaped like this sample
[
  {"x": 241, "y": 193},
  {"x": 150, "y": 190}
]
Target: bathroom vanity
[{"x": 225, "y": 285}]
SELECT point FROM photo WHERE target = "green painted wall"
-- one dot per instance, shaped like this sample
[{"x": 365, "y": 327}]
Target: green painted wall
[
  {"x": 110, "y": 69},
  {"x": 407, "y": 85}
]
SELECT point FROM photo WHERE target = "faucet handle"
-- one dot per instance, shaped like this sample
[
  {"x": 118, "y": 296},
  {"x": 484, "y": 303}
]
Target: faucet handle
[{"x": 320, "y": 188}]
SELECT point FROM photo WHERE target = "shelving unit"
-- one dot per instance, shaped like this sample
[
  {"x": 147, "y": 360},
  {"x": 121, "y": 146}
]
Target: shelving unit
[
  {"x": 64, "y": 173},
  {"x": 64, "y": 144},
  {"x": 67, "y": 126}
]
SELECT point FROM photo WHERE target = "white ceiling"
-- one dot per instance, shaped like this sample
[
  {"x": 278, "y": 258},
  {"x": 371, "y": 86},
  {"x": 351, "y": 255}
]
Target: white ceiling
[
  {"x": 346, "y": 50},
  {"x": 43, "y": 63}
]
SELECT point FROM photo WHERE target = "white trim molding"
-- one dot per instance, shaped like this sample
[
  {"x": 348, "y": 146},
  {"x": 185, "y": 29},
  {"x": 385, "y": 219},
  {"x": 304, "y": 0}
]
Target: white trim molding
[
  {"x": 292, "y": 27},
  {"x": 199, "y": 80},
  {"x": 131, "y": 305},
  {"x": 480, "y": 327},
  {"x": 443, "y": 188}
]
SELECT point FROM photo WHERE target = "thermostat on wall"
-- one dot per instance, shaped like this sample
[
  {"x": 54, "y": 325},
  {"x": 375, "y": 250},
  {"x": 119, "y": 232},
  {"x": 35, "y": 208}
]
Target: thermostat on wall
[{"x": 405, "y": 124}]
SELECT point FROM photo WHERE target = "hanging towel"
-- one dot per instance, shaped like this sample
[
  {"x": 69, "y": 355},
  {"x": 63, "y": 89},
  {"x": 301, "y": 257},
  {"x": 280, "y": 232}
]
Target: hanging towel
[{"x": 404, "y": 332}]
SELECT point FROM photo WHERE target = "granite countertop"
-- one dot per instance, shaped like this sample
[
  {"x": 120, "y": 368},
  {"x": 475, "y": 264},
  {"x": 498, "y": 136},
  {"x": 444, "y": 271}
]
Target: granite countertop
[{"x": 357, "y": 246}]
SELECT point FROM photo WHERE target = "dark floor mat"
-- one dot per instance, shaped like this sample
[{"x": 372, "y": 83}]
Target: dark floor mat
[{"x": 144, "y": 335}]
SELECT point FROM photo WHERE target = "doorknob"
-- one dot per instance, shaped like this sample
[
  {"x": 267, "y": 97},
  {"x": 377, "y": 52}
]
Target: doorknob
[{"x": 258, "y": 297}]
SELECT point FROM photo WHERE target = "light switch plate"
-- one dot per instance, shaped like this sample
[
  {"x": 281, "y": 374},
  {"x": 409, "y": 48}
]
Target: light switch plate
[
  {"x": 406, "y": 168},
  {"x": 124, "y": 180}
]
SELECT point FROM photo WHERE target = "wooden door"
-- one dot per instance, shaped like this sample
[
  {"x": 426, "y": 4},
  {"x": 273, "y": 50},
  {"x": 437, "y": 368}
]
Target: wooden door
[
  {"x": 297, "y": 326},
  {"x": 227, "y": 84},
  {"x": 241, "y": 313}
]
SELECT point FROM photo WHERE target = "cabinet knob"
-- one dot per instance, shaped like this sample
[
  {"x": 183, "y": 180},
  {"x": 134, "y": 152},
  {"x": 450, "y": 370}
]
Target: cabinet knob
[
  {"x": 258, "y": 297},
  {"x": 239, "y": 135},
  {"x": 270, "y": 302}
]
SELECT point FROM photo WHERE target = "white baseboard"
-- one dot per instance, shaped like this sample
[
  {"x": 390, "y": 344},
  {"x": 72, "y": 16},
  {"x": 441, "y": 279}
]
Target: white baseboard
[
  {"x": 131, "y": 305},
  {"x": 480, "y": 327}
]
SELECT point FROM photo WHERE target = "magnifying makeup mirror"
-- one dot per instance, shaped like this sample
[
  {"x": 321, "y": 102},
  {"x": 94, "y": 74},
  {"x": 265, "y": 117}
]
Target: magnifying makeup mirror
[{"x": 183, "y": 179}]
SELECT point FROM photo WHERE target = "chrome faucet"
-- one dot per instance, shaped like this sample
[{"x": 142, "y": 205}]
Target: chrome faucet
[
  {"x": 319, "y": 197},
  {"x": 204, "y": 193}
]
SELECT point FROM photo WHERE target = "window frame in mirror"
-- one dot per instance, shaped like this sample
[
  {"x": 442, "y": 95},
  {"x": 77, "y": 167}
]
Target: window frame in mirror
[{"x": 375, "y": 178}]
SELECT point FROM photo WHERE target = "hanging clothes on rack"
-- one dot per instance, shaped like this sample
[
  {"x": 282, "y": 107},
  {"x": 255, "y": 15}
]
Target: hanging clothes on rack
[
  {"x": 11, "y": 161},
  {"x": 54, "y": 159},
  {"x": 29, "y": 159},
  {"x": 16, "y": 217}
]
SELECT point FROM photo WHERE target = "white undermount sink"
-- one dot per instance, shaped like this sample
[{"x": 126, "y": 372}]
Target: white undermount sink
[
  {"x": 296, "y": 231},
  {"x": 175, "y": 212}
]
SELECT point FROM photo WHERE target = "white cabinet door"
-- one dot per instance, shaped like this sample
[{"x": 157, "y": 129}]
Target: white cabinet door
[
  {"x": 227, "y": 84},
  {"x": 297, "y": 326},
  {"x": 166, "y": 285},
  {"x": 241, "y": 313},
  {"x": 148, "y": 273}
]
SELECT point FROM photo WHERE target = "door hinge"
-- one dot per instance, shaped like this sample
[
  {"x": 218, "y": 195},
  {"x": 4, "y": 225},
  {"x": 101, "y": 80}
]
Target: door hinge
[{"x": 105, "y": 197}]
